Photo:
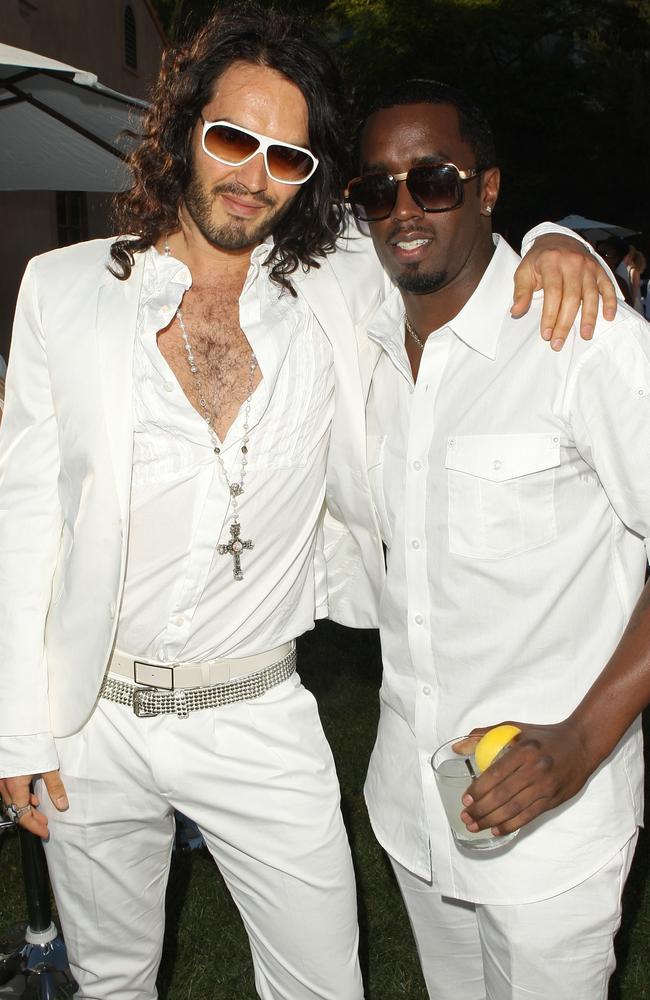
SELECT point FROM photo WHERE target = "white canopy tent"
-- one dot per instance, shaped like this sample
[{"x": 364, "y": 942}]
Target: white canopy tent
[
  {"x": 60, "y": 129},
  {"x": 593, "y": 229}
]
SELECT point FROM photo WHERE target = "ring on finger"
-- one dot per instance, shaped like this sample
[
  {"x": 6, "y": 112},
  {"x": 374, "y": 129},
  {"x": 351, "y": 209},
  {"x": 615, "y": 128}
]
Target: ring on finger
[{"x": 16, "y": 813}]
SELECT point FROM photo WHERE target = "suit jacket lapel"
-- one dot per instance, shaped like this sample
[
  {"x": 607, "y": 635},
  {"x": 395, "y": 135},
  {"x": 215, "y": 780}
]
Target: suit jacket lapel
[
  {"x": 321, "y": 290},
  {"x": 117, "y": 317}
]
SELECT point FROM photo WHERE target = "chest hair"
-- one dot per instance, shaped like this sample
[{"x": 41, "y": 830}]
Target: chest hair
[{"x": 221, "y": 351}]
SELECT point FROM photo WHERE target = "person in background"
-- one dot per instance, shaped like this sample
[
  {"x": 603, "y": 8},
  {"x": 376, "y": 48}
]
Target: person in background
[
  {"x": 613, "y": 251},
  {"x": 512, "y": 489},
  {"x": 636, "y": 264}
]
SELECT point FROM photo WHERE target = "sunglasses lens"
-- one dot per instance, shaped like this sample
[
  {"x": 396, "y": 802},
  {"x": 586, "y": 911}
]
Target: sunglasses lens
[
  {"x": 435, "y": 188},
  {"x": 229, "y": 145},
  {"x": 372, "y": 197},
  {"x": 232, "y": 145},
  {"x": 287, "y": 164}
]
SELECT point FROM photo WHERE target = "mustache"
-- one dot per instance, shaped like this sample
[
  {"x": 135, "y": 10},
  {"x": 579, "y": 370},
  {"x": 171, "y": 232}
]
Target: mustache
[{"x": 239, "y": 191}]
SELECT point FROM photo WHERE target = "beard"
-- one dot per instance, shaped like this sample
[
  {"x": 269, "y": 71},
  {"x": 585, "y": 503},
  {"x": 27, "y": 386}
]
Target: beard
[
  {"x": 235, "y": 234},
  {"x": 419, "y": 282}
]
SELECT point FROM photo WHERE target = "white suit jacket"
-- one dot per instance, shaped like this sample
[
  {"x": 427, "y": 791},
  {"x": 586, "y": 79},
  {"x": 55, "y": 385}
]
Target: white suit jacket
[{"x": 65, "y": 470}]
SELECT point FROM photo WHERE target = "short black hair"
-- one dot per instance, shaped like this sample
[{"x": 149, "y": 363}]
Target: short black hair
[{"x": 472, "y": 123}]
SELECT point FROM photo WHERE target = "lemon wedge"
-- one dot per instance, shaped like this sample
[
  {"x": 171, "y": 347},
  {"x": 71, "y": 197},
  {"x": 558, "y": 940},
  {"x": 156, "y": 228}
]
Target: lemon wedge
[{"x": 492, "y": 743}]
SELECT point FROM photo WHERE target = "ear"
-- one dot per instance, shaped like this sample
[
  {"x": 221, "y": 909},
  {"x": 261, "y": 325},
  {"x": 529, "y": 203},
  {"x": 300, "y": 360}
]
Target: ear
[{"x": 490, "y": 183}]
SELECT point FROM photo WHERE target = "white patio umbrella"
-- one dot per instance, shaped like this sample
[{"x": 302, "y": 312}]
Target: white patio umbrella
[
  {"x": 594, "y": 229},
  {"x": 59, "y": 127}
]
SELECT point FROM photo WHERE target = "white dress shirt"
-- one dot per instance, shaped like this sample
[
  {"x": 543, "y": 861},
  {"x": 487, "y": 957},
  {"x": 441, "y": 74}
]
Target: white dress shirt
[
  {"x": 180, "y": 600},
  {"x": 512, "y": 484}
]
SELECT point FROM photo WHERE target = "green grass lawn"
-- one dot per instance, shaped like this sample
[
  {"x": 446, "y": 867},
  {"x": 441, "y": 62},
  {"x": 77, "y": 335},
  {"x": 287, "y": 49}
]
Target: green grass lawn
[{"x": 206, "y": 953}]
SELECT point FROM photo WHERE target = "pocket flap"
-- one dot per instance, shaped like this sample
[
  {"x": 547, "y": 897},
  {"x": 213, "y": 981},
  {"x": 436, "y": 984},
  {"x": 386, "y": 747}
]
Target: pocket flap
[
  {"x": 375, "y": 445},
  {"x": 499, "y": 457}
]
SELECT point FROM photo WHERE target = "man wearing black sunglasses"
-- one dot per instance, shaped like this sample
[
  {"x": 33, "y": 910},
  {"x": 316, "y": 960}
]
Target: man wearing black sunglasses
[
  {"x": 512, "y": 488},
  {"x": 170, "y": 426}
]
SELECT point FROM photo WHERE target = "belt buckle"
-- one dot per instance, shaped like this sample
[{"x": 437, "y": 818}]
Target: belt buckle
[
  {"x": 141, "y": 709},
  {"x": 154, "y": 675}
]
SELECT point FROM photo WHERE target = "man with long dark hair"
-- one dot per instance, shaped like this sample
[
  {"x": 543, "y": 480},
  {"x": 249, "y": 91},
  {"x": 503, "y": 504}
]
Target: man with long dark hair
[{"x": 169, "y": 422}]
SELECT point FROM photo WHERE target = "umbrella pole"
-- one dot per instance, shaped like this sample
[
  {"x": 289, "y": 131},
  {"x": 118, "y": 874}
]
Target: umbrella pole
[{"x": 42, "y": 957}]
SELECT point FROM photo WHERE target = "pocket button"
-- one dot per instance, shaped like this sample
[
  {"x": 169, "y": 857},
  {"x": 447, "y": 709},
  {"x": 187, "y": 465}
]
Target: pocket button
[{"x": 496, "y": 465}]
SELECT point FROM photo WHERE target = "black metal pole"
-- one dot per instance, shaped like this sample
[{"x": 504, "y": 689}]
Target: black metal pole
[{"x": 37, "y": 885}]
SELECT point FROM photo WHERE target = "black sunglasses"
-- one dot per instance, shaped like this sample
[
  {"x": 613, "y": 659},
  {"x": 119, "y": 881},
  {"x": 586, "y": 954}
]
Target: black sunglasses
[{"x": 434, "y": 187}]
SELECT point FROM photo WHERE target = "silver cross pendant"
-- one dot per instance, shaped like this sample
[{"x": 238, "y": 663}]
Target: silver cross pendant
[{"x": 234, "y": 548}]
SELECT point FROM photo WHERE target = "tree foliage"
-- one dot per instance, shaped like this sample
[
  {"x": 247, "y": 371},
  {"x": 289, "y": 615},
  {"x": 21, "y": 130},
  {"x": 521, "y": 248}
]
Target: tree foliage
[{"x": 564, "y": 83}]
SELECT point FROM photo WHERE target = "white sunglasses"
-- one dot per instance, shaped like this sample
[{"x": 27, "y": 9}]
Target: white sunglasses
[{"x": 234, "y": 146}]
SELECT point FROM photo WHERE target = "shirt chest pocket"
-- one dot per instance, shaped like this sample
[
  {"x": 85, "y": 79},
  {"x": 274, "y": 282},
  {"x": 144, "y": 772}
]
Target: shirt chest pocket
[{"x": 501, "y": 493}]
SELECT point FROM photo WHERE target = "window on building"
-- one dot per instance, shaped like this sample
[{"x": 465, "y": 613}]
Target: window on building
[
  {"x": 130, "y": 38},
  {"x": 71, "y": 217}
]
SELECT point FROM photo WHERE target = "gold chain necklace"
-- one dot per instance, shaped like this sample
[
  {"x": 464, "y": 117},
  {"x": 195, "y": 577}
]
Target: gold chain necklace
[{"x": 412, "y": 333}]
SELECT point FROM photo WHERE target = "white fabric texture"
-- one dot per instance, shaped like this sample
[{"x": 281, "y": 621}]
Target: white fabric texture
[
  {"x": 259, "y": 780},
  {"x": 179, "y": 507},
  {"x": 559, "y": 948},
  {"x": 512, "y": 487},
  {"x": 258, "y": 777},
  {"x": 66, "y": 447}
]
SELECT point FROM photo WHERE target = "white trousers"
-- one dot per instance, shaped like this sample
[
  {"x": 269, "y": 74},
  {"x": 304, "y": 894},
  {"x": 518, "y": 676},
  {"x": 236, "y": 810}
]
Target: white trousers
[
  {"x": 259, "y": 780},
  {"x": 556, "y": 949}
]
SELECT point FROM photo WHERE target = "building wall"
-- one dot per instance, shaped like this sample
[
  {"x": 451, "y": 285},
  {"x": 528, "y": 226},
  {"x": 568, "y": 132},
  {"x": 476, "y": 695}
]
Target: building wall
[
  {"x": 30, "y": 220},
  {"x": 87, "y": 34}
]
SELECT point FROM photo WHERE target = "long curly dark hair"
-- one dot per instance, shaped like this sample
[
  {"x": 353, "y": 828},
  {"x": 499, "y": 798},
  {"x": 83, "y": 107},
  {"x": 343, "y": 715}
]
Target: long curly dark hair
[{"x": 162, "y": 163}]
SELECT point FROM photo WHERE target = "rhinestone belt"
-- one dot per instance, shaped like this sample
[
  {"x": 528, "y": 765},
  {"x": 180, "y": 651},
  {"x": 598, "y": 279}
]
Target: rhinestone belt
[{"x": 147, "y": 702}]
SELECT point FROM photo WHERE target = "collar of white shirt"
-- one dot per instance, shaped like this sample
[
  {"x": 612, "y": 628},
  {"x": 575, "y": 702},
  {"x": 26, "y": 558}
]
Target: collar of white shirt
[
  {"x": 166, "y": 270},
  {"x": 268, "y": 316},
  {"x": 479, "y": 322}
]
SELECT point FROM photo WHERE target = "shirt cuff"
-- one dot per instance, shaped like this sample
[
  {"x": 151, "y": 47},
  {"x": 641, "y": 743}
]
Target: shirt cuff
[
  {"x": 545, "y": 228},
  {"x": 34, "y": 754}
]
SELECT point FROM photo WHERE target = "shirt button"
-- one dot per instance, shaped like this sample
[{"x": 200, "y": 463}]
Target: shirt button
[
  {"x": 418, "y": 619},
  {"x": 417, "y": 465},
  {"x": 179, "y": 620},
  {"x": 426, "y": 689},
  {"x": 496, "y": 465},
  {"x": 641, "y": 392},
  {"x": 168, "y": 386},
  {"x": 556, "y": 440},
  {"x": 415, "y": 544}
]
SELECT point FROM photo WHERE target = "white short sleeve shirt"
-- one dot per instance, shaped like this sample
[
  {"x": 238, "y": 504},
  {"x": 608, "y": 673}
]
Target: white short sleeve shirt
[{"x": 512, "y": 484}]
